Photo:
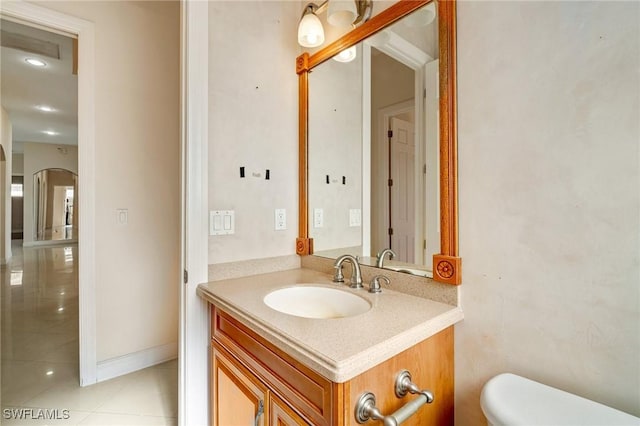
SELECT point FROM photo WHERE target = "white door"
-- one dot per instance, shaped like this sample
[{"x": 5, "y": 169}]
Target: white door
[{"x": 402, "y": 211}]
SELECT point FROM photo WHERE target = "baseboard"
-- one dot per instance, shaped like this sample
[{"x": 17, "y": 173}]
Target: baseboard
[
  {"x": 49, "y": 243},
  {"x": 129, "y": 363}
]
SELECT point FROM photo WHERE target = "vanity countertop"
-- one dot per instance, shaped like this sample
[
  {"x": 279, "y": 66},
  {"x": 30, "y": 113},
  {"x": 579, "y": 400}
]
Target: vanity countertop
[{"x": 338, "y": 349}]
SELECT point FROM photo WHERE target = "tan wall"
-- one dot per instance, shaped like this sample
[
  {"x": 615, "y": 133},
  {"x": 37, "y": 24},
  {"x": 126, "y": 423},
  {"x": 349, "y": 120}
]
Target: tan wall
[
  {"x": 17, "y": 163},
  {"x": 253, "y": 95},
  {"x": 137, "y": 113},
  {"x": 549, "y": 198}
]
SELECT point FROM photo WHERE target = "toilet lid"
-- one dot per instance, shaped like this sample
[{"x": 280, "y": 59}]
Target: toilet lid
[{"x": 508, "y": 399}]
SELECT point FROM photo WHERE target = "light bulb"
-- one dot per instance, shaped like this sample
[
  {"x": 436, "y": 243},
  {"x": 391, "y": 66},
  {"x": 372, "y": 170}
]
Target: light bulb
[
  {"x": 346, "y": 55},
  {"x": 36, "y": 62}
]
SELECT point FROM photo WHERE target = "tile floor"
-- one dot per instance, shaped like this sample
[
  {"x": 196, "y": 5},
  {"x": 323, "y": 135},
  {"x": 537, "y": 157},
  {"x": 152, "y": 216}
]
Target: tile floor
[{"x": 39, "y": 353}]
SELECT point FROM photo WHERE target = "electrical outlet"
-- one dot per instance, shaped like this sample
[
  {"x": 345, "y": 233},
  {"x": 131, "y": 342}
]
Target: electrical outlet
[
  {"x": 281, "y": 219},
  {"x": 318, "y": 218}
]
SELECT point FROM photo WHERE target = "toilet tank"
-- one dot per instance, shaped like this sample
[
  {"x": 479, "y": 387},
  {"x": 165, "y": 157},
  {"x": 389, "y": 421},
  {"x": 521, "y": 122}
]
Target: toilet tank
[{"x": 508, "y": 399}]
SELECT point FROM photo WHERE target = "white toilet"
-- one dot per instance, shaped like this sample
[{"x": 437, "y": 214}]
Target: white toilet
[{"x": 508, "y": 400}]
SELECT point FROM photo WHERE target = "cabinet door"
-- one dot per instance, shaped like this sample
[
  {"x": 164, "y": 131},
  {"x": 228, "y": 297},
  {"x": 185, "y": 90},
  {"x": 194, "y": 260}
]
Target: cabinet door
[
  {"x": 238, "y": 398},
  {"x": 282, "y": 415}
]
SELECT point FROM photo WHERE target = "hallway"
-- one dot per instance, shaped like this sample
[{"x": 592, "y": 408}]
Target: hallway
[{"x": 39, "y": 350}]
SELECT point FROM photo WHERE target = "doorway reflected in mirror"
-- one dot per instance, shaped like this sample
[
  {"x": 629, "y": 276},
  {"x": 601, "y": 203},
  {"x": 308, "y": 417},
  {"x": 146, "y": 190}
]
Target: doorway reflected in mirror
[{"x": 55, "y": 205}]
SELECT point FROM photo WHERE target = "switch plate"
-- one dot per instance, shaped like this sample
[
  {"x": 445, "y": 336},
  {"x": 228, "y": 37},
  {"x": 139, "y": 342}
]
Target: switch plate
[
  {"x": 281, "y": 219},
  {"x": 318, "y": 218},
  {"x": 122, "y": 216},
  {"x": 355, "y": 217},
  {"x": 221, "y": 222}
]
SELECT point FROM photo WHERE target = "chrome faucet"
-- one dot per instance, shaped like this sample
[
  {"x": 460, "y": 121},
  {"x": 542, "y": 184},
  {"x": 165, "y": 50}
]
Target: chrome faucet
[
  {"x": 382, "y": 254},
  {"x": 356, "y": 275}
]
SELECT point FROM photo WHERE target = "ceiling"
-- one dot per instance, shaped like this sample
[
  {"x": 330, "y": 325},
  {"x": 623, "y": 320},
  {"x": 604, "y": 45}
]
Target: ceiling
[{"x": 24, "y": 87}]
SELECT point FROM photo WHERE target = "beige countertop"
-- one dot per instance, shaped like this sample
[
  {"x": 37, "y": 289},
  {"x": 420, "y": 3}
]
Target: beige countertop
[{"x": 341, "y": 348}]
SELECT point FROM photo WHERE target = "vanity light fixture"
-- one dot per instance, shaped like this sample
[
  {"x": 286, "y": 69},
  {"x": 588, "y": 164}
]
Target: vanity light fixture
[
  {"x": 310, "y": 31},
  {"x": 341, "y": 13},
  {"x": 36, "y": 62}
]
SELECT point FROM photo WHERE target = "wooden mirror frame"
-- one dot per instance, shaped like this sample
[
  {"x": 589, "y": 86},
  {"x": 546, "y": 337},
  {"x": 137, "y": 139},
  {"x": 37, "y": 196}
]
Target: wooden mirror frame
[{"x": 447, "y": 264}]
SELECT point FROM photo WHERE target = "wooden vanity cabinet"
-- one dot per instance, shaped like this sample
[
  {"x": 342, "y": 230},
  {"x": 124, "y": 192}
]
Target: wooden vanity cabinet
[
  {"x": 250, "y": 375},
  {"x": 238, "y": 396}
]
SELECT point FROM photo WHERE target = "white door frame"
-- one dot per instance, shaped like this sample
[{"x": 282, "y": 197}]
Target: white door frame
[
  {"x": 84, "y": 30},
  {"x": 193, "y": 396}
]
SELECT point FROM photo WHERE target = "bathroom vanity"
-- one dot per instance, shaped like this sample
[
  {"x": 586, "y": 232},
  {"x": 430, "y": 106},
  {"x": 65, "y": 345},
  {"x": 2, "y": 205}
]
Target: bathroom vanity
[{"x": 287, "y": 370}]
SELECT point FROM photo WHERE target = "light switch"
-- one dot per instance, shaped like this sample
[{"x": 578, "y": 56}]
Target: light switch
[
  {"x": 221, "y": 222},
  {"x": 122, "y": 216},
  {"x": 318, "y": 218},
  {"x": 355, "y": 217}
]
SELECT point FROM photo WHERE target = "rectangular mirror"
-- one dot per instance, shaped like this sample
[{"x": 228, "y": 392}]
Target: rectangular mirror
[{"x": 377, "y": 143}]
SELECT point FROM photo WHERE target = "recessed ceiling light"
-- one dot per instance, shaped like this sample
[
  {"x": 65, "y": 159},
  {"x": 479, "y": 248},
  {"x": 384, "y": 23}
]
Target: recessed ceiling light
[
  {"x": 36, "y": 62},
  {"x": 45, "y": 108},
  {"x": 49, "y": 132}
]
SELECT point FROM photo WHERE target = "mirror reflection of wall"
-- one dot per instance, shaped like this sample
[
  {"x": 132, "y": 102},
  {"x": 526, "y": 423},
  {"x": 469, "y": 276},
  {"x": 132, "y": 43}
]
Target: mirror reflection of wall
[
  {"x": 55, "y": 206},
  {"x": 335, "y": 172}
]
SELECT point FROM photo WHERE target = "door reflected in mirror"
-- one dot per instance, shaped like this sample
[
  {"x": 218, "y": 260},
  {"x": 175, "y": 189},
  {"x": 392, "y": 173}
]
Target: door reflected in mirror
[
  {"x": 373, "y": 142},
  {"x": 55, "y": 205}
]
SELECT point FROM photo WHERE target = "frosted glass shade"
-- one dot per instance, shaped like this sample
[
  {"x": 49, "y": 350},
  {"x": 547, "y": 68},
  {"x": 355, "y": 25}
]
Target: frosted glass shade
[
  {"x": 310, "y": 31},
  {"x": 346, "y": 55},
  {"x": 342, "y": 13},
  {"x": 421, "y": 17}
]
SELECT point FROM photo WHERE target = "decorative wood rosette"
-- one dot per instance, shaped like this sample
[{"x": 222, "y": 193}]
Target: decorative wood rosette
[
  {"x": 302, "y": 63},
  {"x": 304, "y": 246},
  {"x": 447, "y": 269}
]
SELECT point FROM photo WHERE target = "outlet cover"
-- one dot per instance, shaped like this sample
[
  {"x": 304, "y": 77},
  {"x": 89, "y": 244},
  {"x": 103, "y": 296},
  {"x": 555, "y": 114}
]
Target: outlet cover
[
  {"x": 318, "y": 218},
  {"x": 355, "y": 217},
  {"x": 281, "y": 219},
  {"x": 222, "y": 222}
]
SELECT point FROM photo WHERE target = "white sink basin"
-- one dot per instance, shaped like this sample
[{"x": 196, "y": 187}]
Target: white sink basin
[{"x": 309, "y": 301}]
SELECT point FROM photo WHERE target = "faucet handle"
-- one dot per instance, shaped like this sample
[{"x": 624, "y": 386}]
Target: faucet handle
[
  {"x": 338, "y": 277},
  {"x": 375, "y": 286}
]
